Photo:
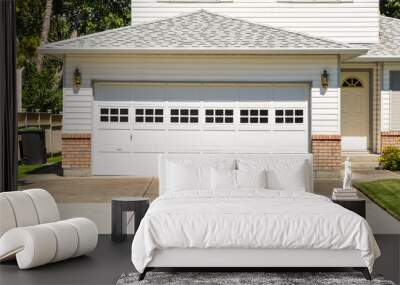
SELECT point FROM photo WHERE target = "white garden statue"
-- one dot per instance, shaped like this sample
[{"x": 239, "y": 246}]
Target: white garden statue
[{"x": 347, "y": 175}]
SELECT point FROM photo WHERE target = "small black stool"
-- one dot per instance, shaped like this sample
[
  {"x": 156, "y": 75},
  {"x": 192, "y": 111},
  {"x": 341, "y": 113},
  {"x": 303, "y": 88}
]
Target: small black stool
[{"x": 119, "y": 205}]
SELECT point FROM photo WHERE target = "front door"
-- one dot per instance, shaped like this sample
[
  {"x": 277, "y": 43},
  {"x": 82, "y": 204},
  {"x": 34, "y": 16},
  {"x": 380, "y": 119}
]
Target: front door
[{"x": 355, "y": 111}]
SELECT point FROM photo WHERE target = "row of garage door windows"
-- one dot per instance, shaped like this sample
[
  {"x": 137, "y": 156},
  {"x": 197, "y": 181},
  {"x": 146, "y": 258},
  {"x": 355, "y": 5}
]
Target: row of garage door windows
[{"x": 191, "y": 116}]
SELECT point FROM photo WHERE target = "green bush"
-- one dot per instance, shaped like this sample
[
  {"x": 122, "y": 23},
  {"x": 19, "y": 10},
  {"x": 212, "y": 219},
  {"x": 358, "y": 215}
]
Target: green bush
[{"x": 391, "y": 158}]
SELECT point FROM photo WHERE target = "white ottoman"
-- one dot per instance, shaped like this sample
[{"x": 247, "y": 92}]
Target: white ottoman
[{"x": 32, "y": 233}]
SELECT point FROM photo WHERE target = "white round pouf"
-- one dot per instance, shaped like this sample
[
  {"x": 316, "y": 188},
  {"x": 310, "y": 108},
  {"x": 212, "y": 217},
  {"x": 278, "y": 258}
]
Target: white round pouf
[
  {"x": 37, "y": 245},
  {"x": 87, "y": 232},
  {"x": 32, "y": 246},
  {"x": 67, "y": 240}
]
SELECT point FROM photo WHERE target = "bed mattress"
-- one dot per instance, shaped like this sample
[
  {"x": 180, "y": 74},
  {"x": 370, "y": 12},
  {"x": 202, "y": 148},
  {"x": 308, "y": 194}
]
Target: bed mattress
[{"x": 251, "y": 219}]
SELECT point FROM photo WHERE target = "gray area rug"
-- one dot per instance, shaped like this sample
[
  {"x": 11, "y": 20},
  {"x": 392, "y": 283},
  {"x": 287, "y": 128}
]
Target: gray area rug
[{"x": 243, "y": 278}]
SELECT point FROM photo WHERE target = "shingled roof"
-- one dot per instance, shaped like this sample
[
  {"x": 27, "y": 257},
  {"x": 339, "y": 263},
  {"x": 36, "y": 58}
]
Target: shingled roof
[
  {"x": 200, "y": 32},
  {"x": 389, "y": 41}
]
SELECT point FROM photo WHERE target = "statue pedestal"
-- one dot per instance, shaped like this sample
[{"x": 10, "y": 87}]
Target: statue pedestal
[{"x": 344, "y": 194}]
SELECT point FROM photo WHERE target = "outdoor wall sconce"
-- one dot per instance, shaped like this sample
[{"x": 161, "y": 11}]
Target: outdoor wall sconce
[
  {"x": 325, "y": 80},
  {"x": 77, "y": 78}
]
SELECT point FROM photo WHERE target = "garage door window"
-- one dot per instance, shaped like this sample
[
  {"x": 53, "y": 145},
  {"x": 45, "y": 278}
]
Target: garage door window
[
  {"x": 254, "y": 116},
  {"x": 149, "y": 115},
  {"x": 114, "y": 115},
  {"x": 184, "y": 116},
  {"x": 219, "y": 116},
  {"x": 289, "y": 116}
]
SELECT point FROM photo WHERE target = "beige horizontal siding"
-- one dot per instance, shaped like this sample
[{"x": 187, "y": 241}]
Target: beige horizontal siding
[
  {"x": 395, "y": 110},
  {"x": 77, "y": 110},
  {"x": 77, "y": 107},
  {"x": 390, "y": 101},
  {"x": 356, "y": 21}
]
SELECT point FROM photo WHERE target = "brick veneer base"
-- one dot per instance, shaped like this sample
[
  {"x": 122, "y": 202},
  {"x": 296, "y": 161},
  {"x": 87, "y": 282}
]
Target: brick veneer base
[
  {"x": 326, "y": 150},
  {"x": 76, "y": 154},
  {"x": 390, "y": 138}
]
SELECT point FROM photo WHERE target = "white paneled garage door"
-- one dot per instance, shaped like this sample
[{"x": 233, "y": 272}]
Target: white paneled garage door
[{"x": 133, "y": 123}]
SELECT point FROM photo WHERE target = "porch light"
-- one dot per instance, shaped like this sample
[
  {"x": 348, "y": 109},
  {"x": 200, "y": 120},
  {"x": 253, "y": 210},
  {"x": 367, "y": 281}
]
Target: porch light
[
  {"x": 325, "y": 80},
  {"x": 77, "y": 78}
]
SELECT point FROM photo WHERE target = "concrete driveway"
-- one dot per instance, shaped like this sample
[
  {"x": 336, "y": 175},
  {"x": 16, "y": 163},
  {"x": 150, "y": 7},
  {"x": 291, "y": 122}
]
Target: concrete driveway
[
  {"x": 100, "y": 189},
  {"x": 94, "y": 189}
]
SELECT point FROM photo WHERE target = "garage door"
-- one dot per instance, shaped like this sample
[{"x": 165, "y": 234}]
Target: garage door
[{"x": 133, "y": 123}]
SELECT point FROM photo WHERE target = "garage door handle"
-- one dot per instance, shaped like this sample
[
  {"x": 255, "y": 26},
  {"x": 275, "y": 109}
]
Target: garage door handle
[
  {"x": 131, "y": 136},
  {"x": 119, "y": 148}
]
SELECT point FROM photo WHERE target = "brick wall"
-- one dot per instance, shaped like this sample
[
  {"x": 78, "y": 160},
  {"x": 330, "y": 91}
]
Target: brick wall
[
  {"x": 327, "y": 152},
  {"x": 76, "y": 154},
  {"x": 390, "y": 138}
]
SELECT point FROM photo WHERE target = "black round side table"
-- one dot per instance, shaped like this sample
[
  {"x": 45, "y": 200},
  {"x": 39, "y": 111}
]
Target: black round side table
[{"x": 119, "y": 205}]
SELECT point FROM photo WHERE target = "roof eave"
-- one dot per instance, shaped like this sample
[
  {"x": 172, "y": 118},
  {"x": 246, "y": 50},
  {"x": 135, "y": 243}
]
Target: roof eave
[
  {"x": 342, "y": 51},
  {"x": 376, "y": 58}
]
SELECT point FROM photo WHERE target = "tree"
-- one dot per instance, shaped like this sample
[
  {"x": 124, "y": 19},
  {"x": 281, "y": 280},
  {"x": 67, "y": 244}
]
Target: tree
[
  {"x": 28, "y": 20},
  {"x": 87, "y": 17},
  {"x": 390, "y": 8},
  {"x": 45, "y": 32},
  {"x": 41, "y": 21}
]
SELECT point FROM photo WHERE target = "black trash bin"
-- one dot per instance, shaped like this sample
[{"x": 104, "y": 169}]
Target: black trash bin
[{"x": 33, "y": 146}]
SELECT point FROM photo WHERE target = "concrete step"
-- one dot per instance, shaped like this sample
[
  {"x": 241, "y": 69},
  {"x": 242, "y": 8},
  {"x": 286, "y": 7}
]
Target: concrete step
[
  {"x": 362, "y": 161},
  {"x": 364, "y": 165},
  {"x": 370, "y": 157}
]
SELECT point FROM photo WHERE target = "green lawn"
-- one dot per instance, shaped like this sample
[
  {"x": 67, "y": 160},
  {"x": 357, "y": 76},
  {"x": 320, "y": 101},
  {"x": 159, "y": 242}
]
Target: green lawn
[
  {"x": 385, "y": 193},
  {"x": 24, "y": 170}
]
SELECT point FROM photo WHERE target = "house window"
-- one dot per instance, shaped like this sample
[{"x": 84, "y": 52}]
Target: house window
[
  {"x": 254, "y": 116},
  {"x": 289, "y": 116},
  {"x": 352, "y": 82},
  {"x": 219, "y": 116},
  {"x": 184, "y": 116},
  {"x": 395, "y": 80},
  {"x": 114, "y": 115},
  {"x": 149, "y": 115}
]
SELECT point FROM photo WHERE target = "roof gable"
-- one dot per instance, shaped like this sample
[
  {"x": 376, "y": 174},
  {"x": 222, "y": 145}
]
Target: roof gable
[
  {"x": 389, "y": 43},
  {"x": 197, "y": 31}
]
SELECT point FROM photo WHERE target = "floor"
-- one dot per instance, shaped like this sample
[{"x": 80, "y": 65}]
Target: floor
[
  {"x": 103, "y": 266},
  {"x": 110, "y": 260}
]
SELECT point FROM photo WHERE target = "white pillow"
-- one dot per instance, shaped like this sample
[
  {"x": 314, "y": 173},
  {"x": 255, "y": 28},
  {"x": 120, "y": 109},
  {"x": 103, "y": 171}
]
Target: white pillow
[
  {"x": 288, "y": 177},
  {"x": 256, "y": 178},
  {"x": 282, "y": 174},
  {"x": 223, "y": 179},
  {"x": 183, "y": 177}
]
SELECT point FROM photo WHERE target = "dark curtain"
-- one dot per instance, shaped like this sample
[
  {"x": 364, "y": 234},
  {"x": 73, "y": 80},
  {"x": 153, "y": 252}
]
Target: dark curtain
[{"x": 8, "y": 101}]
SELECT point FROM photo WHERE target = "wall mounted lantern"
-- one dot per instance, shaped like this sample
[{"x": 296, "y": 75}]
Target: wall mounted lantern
[
  {"x": 77, "y": 78},
  {"x": 325, "y": 80}
]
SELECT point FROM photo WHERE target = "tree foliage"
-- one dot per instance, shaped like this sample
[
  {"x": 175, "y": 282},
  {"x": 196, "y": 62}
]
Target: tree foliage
[
  {"x": 42, "y": 89},
  {"x": 390, "y": 8}
]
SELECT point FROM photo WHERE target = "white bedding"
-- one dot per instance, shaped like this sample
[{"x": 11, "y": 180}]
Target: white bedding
[{"x": 250, "y": 219}]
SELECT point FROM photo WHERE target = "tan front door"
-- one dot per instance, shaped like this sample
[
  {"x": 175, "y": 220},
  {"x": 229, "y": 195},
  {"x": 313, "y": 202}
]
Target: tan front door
[{"x": 355, "y": 111}]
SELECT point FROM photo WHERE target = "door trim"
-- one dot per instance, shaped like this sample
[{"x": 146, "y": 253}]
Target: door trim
[{"x": 370, "y": 102}]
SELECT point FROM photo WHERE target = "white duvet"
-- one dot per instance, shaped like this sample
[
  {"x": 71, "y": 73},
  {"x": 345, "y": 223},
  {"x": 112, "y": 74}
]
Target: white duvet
[{"x": 250, "y": 219}]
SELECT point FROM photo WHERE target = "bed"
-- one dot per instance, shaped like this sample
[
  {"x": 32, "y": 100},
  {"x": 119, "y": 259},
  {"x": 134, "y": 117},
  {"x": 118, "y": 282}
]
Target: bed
[{"x": 246, "y": 211}]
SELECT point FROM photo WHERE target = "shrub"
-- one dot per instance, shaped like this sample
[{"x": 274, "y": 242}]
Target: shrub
[{"x": 390, "y": 158}]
